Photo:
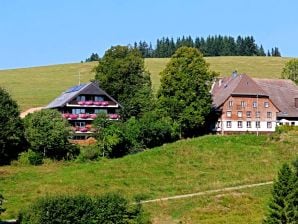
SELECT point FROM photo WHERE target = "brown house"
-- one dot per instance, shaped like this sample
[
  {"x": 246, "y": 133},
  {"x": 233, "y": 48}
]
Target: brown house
[
  {"x": 81, "y": 104},
  {"x": 244, "y": 104}
]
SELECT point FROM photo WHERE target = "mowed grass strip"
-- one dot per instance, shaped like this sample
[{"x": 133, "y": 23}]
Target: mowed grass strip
[
  {"x": 245, "y": 206},
  {"x": 37, "y": 86},
  {"x": 187, "y": 166}
]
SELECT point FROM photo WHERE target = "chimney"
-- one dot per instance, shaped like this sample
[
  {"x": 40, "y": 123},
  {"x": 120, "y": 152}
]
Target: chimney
[
  {"x": 296, "y": 102},
  {"x": 219, "y": 82},
  {"x": 234, "y": 74}
]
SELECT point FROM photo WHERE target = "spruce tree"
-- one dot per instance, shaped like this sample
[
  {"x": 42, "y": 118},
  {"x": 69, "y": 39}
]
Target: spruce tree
[{"x": 282, "y": 188}]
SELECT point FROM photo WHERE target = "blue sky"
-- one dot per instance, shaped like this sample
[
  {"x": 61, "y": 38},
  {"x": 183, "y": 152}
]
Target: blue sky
[{"x": 35, "y": 32}]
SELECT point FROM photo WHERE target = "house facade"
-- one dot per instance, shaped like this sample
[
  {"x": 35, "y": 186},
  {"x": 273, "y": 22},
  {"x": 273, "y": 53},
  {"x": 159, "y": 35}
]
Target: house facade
[
  {"x": 81, "y": 104},
  {"x": 244, "y": 104}
]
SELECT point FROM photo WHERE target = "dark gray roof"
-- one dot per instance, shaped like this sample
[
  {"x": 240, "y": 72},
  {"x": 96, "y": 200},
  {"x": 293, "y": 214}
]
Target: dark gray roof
[
  {"x": 73, "y": 92},
  {"x": 282, "y": 92}
]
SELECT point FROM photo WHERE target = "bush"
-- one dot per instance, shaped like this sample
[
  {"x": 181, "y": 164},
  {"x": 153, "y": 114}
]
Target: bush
[
  {"x": 1, "y": 202},
  {"x": 90, "y": 152},
  {"x": 30, "y": 158},
  {"x": 109, "y": 208}
]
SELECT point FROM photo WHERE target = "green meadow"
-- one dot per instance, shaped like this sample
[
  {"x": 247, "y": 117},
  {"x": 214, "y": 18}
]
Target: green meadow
[
  {"x": 186, "y": 166},
  {"x": 37, "y": 86}
]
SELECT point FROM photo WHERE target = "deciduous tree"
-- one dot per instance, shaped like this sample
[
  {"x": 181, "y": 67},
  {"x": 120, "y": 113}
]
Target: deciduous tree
[
  {"x": 184, "y": 93},
  {"x": 290, "y": 71},
  {"x": 122, "y": 74},
  {"x": 12, "y": 140},
  {"x": 47, "y": 132}
]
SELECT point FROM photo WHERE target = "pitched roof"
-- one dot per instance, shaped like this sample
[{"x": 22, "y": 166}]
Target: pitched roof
[
  {"x": 235, "y": 85},
  {"x": 283, "y": 93},
  {"x": 73, "y": 92}
]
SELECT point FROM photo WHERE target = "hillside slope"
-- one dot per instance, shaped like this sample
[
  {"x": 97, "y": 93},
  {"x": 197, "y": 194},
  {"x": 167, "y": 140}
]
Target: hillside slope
[
  {"x": 37, "y": 86},
  {"x": 187, "y": 166}
]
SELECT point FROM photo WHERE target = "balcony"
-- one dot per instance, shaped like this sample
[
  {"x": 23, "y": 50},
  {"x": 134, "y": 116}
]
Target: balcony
[{"x": 91, "y": 103}]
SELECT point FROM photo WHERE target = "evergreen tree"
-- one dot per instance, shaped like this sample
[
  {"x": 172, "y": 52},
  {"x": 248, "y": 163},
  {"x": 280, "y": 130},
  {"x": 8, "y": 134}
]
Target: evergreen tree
[
  {"x": 184, "y": 91},
  {"x": 261, "y": 51},
  {"x": 282, "y": 188},
  {"x": 268, "y": 53}
]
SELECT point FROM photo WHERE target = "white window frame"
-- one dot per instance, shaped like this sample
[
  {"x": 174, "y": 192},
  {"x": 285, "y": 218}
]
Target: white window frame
[{"x": 229, "y": 124}]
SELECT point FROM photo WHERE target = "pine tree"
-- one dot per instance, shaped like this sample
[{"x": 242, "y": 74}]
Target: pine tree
[{"x": 282, "y": 188}]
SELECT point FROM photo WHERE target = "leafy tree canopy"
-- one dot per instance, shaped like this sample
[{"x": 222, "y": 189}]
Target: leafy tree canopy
[
  {"x": 47, "y": 132},
  {"x": 184, "y": 91},
  {"x": 122, "y": 74},
  {"x": 290, "y": 71},
  {"x": 12, "y": 140}
]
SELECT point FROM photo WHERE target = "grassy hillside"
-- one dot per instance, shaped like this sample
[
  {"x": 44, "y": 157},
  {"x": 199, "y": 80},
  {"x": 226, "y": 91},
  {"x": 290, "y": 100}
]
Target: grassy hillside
[
  {"x": 186, "y": 166},
  {"x": 37, "y": 86}
]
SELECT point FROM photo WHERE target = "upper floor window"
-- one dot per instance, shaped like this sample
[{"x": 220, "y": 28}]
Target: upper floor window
[
  {"x": 239, "y": 113},
  {"x": 98, "y": 98},
  {"x": 269, "y": 114},
  {"x": 258, "y": 114},
  {"x": 242, "y": 104},
  {"x": 230, "y": 104},
  {"x": 229, "y": 113},
  {"x": 81, "y": 98},
  {"x": 78, "y": 111},
  {"x": 100, "y": 111},
  {"x": 266, "y": 104},
  {"x": 248, "y": 113},
  {"x": 254, "y": 104}
]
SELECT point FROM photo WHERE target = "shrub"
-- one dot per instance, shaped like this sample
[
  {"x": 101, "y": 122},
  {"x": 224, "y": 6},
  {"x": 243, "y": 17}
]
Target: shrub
[
  {"x": 90, "y": 152},
  {"x": 1, "y": 202},
  {"x": 30, "y": 158},
  {"x": 109, "y": 208}
]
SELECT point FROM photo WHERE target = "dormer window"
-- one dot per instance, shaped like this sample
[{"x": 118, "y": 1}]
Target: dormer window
[{"x": 98, "y": 98}]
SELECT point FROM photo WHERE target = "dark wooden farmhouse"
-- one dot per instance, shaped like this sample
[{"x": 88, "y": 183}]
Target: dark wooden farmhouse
[{"x": 81, "y": 104}]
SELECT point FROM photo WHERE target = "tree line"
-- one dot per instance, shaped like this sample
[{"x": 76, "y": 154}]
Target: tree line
[{"x": 211, "y": 46}]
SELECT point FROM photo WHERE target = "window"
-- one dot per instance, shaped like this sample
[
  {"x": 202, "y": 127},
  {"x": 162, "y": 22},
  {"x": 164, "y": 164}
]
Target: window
[
  {"x": 254, "y": 104},
  {"x": 248, "y": 124},
  {"x": 266, "y": 104},
  {"x": 230, "y": 104},
  {"x": 98, "y": 98},
  {"x": 80, "y": 124},
  {"x": 229, "y": 113},
  {"x": 239, "y": 113},
  {"x": 269, "y": 114},
  {"x": 292, "y": 123},
  {"x": 229, "y": 124},
  {"x": 243, "y": 104},
  {"x": 258, "y": 124},
  {"x": 258, "y": 114},
  {"x": 218, "y": 124},
  {"x": 78, "y": 111},
  {"x": 248, "y": 113},
  {"x": 269, "y": 124},
  {"x": 239, "y": 124},
  {"x": 100, "y": 111},
  {"x": 81, "y": 98}
]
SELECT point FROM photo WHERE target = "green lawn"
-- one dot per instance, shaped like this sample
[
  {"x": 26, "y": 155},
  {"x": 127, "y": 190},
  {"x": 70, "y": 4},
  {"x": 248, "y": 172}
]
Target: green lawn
[
  {"x": 187, "y": 166},
  {"x": 37, "y": 86}
]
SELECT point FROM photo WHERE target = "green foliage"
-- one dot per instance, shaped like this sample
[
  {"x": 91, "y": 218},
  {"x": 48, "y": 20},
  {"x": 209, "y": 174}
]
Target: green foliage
[
  {"x": 1, "y": 203},
  {"x": 12, "y": 140},
  {"x": 121, "y": 73},
  {"x": 184, "y": 92},
  {"x": 30, "y": 158},
  {"x": 47, "y": 132},
  {"x": 290, "y": 71},
  {"x": 88, "y": 153},
  {"x": 109, "y": 208},
  {"x": 283, "y": 205}
]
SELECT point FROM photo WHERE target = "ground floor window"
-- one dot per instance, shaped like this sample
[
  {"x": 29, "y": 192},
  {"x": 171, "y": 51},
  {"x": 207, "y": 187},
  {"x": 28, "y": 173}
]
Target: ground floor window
[
  {"x": 269, "y": 124},
  {"x": 229, "y": 124},
  {"x": 258, "y": 124},
  {"x": 248, "y": 124},
  {"x": 239, "y": 124}
]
